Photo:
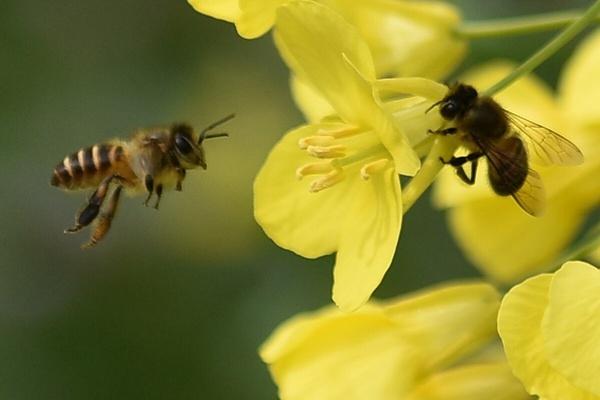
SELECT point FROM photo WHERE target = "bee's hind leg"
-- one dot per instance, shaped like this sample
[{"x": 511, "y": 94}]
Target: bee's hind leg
[
  {"x": 91, "y": 210},
  {"x": 459, "y": 162},
  {"x": 105, "y": 219}
]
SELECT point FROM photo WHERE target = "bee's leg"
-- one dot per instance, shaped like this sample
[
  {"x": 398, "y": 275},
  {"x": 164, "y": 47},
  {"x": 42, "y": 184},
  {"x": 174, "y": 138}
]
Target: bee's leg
[
  {"x": 159, "y": 191},
  {"x": 444, "y": 132},
  {"x": 181, "y": 173},
  {"x": 459, "y": 162},
  {"x": 149, "y": 183},
  {"x": 105, "y": 219},
  {"x": 90, "y": 212}
]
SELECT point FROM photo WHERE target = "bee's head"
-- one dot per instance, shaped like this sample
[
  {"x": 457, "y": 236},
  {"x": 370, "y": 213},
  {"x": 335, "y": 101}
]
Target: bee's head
[
  {"x": 189, "y": 152},
  {"x": 459, "y": 99}
]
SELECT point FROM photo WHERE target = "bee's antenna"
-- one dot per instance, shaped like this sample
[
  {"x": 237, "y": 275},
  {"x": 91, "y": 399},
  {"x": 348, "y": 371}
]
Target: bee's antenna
[
  {"x": 203, "y": 134},
  {"x": 433, "y": 106},
  {"x": 214, "y": 135}
]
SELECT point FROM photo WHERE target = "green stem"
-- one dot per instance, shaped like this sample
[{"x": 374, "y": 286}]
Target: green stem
[
  {"x": 443, "y": 147},
  {"x": 549, "y": 49},
  {"x": 584, "y": 247},
  {"x": 519, "y": 25},
  {"x": 580, "y": 250}
]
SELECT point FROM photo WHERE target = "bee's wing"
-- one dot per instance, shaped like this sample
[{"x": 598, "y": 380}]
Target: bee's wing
[
  {"x": 531, "y": 195},
  {"x": 550, "y": 147}
]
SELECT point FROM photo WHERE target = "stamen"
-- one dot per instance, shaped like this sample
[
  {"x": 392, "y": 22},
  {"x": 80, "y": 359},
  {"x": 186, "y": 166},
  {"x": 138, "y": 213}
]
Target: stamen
[
  {"x": 335, "y": 176},
  {"x": 316, "y": 168},
  {"x": 327, "y": 151},
  {"x": 315, "y": 141},
  {"x": 373, "y": 167},
  {"x": 338, "y": 131}
]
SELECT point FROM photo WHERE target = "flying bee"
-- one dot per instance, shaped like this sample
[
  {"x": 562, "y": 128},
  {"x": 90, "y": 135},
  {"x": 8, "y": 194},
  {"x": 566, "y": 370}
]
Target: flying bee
[
  {"x": 153, "y": 160},
  {"x": 487, "y": 130}
]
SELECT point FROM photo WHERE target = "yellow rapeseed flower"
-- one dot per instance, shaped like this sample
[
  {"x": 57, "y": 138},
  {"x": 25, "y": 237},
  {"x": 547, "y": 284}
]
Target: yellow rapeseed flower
[
  {"x": 353, "y": 206},
  {"x": 407, "y": 38},
  {"x": 550, "y": 325},
  {"x": 495, "y": 234},
  {"x": 412, "y": 348}
]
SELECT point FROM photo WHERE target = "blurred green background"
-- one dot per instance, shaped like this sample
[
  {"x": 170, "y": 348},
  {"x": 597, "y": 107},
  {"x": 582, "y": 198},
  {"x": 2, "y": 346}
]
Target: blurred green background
[{"x": 173, "y": 304}]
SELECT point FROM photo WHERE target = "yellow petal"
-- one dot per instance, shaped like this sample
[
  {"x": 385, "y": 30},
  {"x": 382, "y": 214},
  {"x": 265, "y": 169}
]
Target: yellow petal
[
  {"x": 493, "y": 381},
  {"x": 227, "y": 10},
  {"x": 313, "y": 40},
  {"x": 312, "y": 104},
  {"x": 508, "y": 244},
  {"x": 580, "y": 82},
  {"x": 256, "y": 17},
  {"x": 330, "y": 355},
  {"x": 306, "y": 223},
  {"x": 391, "y": 134},
  {"x": 519, "y": 321},
  {"x": 368, "y": 240},
  {"x": 571, "y": 325},
  {"x": 407, "y": 38},
  {"x": 447, "y": 321}
]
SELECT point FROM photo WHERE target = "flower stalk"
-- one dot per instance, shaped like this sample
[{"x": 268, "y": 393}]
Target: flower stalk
[
  {"x": 519, "y": 25},
  {"x": 549, "y": 49},
  {"x": 443, "y": 147}
]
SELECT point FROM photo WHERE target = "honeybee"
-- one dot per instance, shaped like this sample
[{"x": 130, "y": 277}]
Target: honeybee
[
  {"x": 488, "y": 130},
  {"x": 153, "y": 160}
]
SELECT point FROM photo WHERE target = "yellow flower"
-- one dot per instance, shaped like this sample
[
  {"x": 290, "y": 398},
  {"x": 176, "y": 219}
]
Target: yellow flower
[
  {"x": 408, "y": 348},
  {"x": 495, "y": 234},
  {"x": 550, "y": 325},
  {"x": 353, "y": 206},
  {"x": 252, "y": 18},
  {"x": 407, "y": 38}
]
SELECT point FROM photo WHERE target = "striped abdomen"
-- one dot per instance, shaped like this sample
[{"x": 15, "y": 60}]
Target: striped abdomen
[
  {"x": 87, "y": 167},
  {"x": 510, "y": 166}
]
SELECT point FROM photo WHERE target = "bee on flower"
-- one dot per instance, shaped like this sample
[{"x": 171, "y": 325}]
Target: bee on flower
[
  {"x": 347, "y": 196},
  {"x": 571, "y": 195}
]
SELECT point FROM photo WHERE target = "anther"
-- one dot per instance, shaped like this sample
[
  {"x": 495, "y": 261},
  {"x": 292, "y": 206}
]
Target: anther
[
  {"x": 374, "y": 167},
  {"x": 316, "y": 168},
  {"x": 335, "y": 176},
  {"x": 327, "y": 151},
  {"x": 304, "y": 143},
  {"x": 338, "y": 131}
]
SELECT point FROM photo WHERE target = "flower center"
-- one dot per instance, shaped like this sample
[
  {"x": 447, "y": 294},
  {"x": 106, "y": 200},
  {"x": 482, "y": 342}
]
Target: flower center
[{"x": 344, "y": 150}]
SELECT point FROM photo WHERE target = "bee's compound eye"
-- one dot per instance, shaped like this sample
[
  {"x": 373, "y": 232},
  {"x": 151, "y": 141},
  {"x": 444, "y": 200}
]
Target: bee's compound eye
[
  {"x": 449, "y": 110},
  {"x": 183, "y": 144}
]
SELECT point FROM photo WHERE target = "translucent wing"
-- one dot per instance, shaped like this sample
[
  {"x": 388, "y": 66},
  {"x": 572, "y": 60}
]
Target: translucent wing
[
  {"x": 531, "y": 197},
  {"x": 530, "y": 194},
  {"x": 550, "y": 147}
]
